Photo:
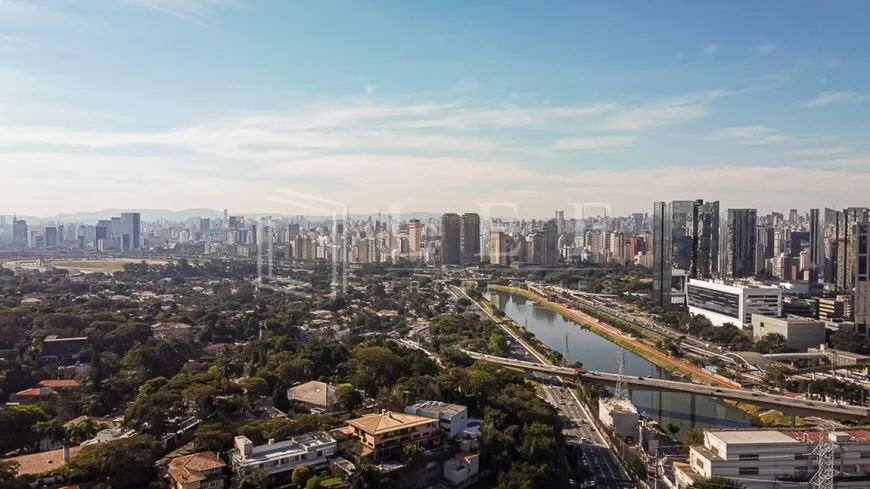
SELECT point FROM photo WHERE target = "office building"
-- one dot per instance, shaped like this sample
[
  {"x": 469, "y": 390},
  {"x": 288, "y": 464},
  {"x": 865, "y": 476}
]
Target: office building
[
  {"x": 800, "y": 333},
  {"x": 51, "y": 237},
  {"x": 775, "y": 459},
  {"x": 131, "y": 229},
  {"x": 731, "y": 301},
  {"x": 102, "y": 230},
  {"x": 832, "y": 248},
  {"x": 205, "y": 227},
  {"x": 280, "y": 459},
  {"x": 861, "y": 295},
  {"x": 469, "y": 239},
  {"x": 738, "y": 247},
  {"x": 19, "y": 233},
  {"x": 797, "y": 242},
  {"x": 450, "y": 239},
  {"x": 685, "y": 245},
  {"x": 499, "y": 248},
  {"x": 415, "y": 238},
  {"x": 550, "y": 244}
]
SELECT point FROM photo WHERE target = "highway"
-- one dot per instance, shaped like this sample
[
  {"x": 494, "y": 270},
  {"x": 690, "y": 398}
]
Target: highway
[{"x": 798, "y": 407}]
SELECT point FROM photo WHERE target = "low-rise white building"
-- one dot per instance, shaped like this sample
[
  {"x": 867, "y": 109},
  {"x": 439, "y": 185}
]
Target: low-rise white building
[
  {"x": 451, "y": 417},
  {"x": 310, "y": 450},
  {"x": 732, "y": 301},
  {"x": 800, "y": 333},
  {"x": 775, "y": 459},
  {"x": 621, "y": 416},
  {"x": 110, "y": 434},
  {"x": 462, "y": 467}
]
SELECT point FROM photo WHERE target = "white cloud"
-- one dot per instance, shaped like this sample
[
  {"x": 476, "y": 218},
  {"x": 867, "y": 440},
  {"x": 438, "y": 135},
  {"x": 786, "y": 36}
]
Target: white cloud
[
  {"x": 822, "y": 152},
  {"x": 711, "y": 50},
  {"x": 370, "y": 89},
  {"x": 688, "y": 107},
  {"x": 827, "y": 98},
  {"x": 752, "y": 135},
  {"x": 764, "y": 49},
  {"x": 596, "y": 143},
  {"x": 187, "y": 10}
]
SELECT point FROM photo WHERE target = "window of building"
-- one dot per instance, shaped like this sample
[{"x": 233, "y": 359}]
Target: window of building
[
  {"x": 865, "y": 454},
  {"x": 800, "y": 456},
  {"x": 748, "y": 456},
  {"x": 747, "y": 470}
]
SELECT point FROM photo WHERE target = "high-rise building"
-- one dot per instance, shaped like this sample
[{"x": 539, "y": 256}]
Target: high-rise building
[
  {"x": 469, "y": 240},
  {"x": 685, "y": 245},
  {"x": 51, "y": 237},
  {"x": 499, "y": 248},
  {"x": 637, "y": 219},
  {"x": 832, "y": 248},
  {"x": 205, "y": 227},
  {"x": 797, "y": 242},
  {"x": 450, "y": 239},
  {"x": 792, "y": 215},
  {"x": 19, "y": 233},
  {"x": 550, "y": 244},
  {"x": 861, "y": 295},
  {"x": 131, "y": 230},
  {"x": 415, "y": 238},
  {"x": 738, "y": 244},
  {"x": 636, "y": 245}
]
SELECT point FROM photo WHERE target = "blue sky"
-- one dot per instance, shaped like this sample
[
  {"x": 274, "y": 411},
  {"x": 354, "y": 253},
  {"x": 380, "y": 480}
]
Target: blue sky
[{"x": 431, "y": 106}]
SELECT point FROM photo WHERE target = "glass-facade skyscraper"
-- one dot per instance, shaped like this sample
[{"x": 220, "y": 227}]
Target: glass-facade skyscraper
[
  {"x": 685, "y": 245},
  {"x": 738, "y": 248}
]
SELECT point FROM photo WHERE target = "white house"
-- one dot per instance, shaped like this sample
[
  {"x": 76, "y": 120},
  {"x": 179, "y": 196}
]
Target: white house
[
  {"x": 451, "y": 417},
  {"x": 311, "y": 450}
]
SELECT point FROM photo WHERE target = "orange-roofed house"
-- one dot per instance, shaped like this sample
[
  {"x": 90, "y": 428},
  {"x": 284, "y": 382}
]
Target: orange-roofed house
[
  {"x": 43, "y": 465},
  {"x": 204, "y": 470},
  {"x": 386, "y": 433},
  {"x": 31, "y": 396},
  {"x": 61, "y": 384}
]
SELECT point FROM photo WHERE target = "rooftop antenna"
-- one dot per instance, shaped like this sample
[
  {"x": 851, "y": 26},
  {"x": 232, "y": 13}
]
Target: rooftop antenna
[{"x": 621, "y": 393}]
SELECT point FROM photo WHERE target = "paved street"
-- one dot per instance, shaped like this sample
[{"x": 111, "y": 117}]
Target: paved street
[{"x": 578, "y": 425}]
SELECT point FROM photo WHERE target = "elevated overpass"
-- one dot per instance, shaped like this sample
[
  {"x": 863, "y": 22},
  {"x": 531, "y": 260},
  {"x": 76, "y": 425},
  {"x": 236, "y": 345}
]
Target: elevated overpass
[{"x": 788, "y": 405}]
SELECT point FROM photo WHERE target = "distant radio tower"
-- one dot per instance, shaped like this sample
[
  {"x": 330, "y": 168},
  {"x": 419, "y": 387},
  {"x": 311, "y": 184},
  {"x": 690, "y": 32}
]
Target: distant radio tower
[{"x": 621, "y": 393}]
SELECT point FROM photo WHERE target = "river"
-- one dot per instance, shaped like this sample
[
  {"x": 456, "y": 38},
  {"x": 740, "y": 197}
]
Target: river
[{"x": 597, "y": 353}]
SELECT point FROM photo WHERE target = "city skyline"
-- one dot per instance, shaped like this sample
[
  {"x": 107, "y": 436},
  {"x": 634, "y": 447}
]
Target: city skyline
[{"x": 225, "y": 103}]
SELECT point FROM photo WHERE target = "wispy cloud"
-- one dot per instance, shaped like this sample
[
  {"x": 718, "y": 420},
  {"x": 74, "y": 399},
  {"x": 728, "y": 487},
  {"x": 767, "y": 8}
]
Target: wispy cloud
[
  {"x": 711, "y": 50},
  {"x": 188, "y": 10},
  {"x": 669, "y": 110},
  {"x": 370, "y": 89},
  {"x": 763, "y": 49},
  {"x": 822, "y": 152},
  {"x": 606, "y": 143},
  {"x": 752, "y": 135},
  {"x": 827, "y": 98}
]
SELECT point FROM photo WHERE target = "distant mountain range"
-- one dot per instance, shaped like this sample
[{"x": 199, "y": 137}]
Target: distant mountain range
[{"x": 148, "y": 215}]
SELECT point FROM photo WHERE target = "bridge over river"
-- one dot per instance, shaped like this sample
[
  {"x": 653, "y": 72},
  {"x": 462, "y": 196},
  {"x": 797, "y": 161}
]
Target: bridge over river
[{"x": 788, "y": 405}]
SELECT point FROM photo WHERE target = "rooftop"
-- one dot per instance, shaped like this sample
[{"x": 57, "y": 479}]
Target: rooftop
[
  {"x": 811, "y": 436},
  {"x": 297, "y": 444},
  {"x": 621, "y": 406},
  {"x": 314, "y": 392},
  {"x": 438, "y": 407},
  {"x": 60, "y": 383},
  {"x": 38, "y": 463},
  {"x": 191, "y": 467},
  {"x": 388, "y": 421}
]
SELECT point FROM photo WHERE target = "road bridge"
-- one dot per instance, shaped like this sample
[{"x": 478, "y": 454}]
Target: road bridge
[{"x": 788, "y": 405}]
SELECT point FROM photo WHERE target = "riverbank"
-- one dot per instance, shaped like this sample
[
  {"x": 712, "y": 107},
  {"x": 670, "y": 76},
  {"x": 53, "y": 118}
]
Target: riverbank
[{"x": 639, "y": 347}]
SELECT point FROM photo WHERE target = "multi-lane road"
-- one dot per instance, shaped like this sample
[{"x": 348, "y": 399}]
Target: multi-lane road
[{"x": 789, "y": 405}]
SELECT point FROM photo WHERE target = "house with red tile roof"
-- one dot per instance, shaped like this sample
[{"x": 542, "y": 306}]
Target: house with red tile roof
[{"x": 204, "y": 470}]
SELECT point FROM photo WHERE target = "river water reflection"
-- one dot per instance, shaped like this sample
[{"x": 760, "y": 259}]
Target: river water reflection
[{"x": 596, "y": 353}]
